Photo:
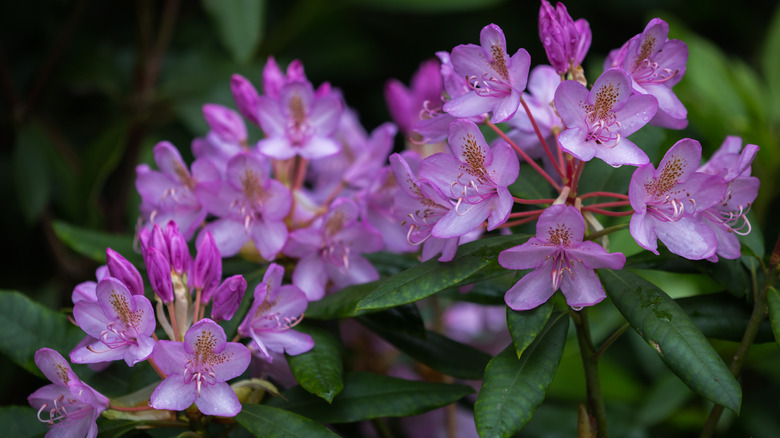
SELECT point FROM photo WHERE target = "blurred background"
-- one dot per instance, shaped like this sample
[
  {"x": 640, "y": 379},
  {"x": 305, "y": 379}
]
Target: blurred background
[{"x": 87, "y": 88}]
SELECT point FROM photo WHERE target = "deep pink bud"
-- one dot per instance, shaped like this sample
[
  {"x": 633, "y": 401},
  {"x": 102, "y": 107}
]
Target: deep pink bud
[
  {"x": 565, "y": 41},
  {"x": 178, "y": 249},
  {"x": 246, "y": 97},
  {"x": 273, "y": 78},
  {"x": 207, "y": 269},
  {"x": 227, "y": 298},
  {"x": 225, "y": 122},
  {"x": 124, "y": 271},
  {"x": 157, "y": 240},
  {"x": 159, "y": 271}
]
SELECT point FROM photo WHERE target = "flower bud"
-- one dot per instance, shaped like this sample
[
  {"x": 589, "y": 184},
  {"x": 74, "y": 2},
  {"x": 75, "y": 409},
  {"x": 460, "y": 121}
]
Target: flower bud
[
  {"x": 246, "y": 97},
  {"x": 225, "y": 122},
  {"x": 565, "y": 41},
  {"x": 159, "y": 271},
  {"x": 207, "y": 269},
  {"x": 178, "y": 249},
  {"x": 124, "y": 271},
  {"x": 227, "y": 298}
]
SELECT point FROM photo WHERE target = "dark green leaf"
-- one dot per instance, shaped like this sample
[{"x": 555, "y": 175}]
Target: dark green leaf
[
  {"x": 21, "y": 422},
  {"x": 319, "y": 370},
  {"x": 730, "y": 273},
  {"x": 239, "y": 25},
  {"x": 267, "y": 421},
  {"x": 433, "y": 276},
  {"x": 771, "y": 63},
  {"x": 27, "y": 326},
  {"x": 342, "y": 304},
  {"x": 665, "y": 326},
  {"x": 513, "y": 387},
  {"x": 366, "y": 396},
  {"x": 773, "y": 300},
  {"x": 31, "y": 172},
  {"x": 115, "y": 428},
  {"x": 388, "y": 263},
  {"x": 93, "y": 244},
  {"x": 525, "y": 326},
  {"x": 530, "y": 184},
  {"x": 102, "y": 158},
  {"x": 438, "y": 352},
  {"x": 404, "y": 319},
  {"x": 722, "y": 316}
]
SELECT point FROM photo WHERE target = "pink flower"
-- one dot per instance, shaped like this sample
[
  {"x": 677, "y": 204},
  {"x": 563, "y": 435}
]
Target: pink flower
[
  {"x": 566, "y": 41},
  {"x": 197, "y": 371},
  {"x": 559, "y": 259}
]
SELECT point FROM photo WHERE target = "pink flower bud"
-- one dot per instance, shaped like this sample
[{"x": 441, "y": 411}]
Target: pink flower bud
[
  {"x": 227, "y": 298},
  {"x": 207, "y": 269},
  {"x": 225, "y": 122},
  {"x": 177, "y": 247},
  {"x": 246, "y": 97},
  {"x": 159, "y": 271},
  {"x": 124, "y": 271},
  {"x": 565, "y": 41}
]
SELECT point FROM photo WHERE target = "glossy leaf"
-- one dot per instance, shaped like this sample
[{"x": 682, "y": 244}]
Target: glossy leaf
[
  {"x": 367, "y": 396},
  {"x": 667, "y": 329},
  {"x": 100, "y": 160},
  {"x": 28, "y": 326},
  {"x": 525, "y": 326},
  {"x": 437, "y": 351},
  {"x": 773, "y": 300},
  {"x": 21, "y": 422},
  {"x": 771, "y": 62},
  {"x": 267, "y": 421},
  {"x": 722, "y": 316},
  {"x": 514, "y": 388},
  {"x": 239, "y": 25},
  {"x": 433, "y": 276},
  {"x": 342, "y": 304},
  {"x": 92, "y": 244},
  {"x": 319, "y": 370}
]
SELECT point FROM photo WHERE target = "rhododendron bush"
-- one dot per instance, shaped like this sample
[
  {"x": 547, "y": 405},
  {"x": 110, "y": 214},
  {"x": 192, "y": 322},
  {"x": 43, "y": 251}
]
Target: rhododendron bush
[{"x": 554, "y": 245}]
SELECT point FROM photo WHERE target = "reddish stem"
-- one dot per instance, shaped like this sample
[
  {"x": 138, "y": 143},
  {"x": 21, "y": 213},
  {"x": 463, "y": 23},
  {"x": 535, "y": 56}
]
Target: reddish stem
[
  {"x": 604, "y": 195},
  {"x": 557, "y": 164},
  {"x": 156, "y": 368},
  {"x": 132, "y": 409},
  {"x": 525, "y": 156},
  {"x": 526, "y": 213},
  {"x": 519, "y": 222},
  {"x": 608, "y": 213},
  {"x": 533, "y": 201},
  {"x": 609, "y": 204}
]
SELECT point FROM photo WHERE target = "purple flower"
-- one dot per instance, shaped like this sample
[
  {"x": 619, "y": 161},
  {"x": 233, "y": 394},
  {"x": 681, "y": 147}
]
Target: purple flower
[
  {"x": 299, "y": 123},
  {"x": 598, "y": 121},
  {"x": 728, "y": 218},
  {"x": 542, "y": 84},
  {"x": 668, "y": 203},
  {"x": 655, "y": 64},
  {"x": 497, "y": 80},
  {"x": 250, "y": 206},
  {"x": 246, "y": 97},
  {"x": 566, "y": 41},
  {"x": 121, "y": 323},
  {"x": 476, "y": 176},
  {"x": 434, "y": 121},
  {"x": 226, "y": 138},
  {"x": 407, "y": 104},
  {"x": 197, "y": 370},
  {"x": 331, "y": 249},
  {"x": 207, "y": 269},
  {"x": 276, "y": 309},
  {"x": 559, "y": 259},
  {"x": 72, "y": 405},
  {"x": 227, "y": 298}
]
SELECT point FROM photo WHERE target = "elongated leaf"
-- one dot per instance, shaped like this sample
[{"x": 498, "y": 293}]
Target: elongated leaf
[
  {"x": 319, "y": 370},
  {"x": 31, "y": 172},
  {"x": 432, "y": 276},
  {"x": 92, "y": 244},
  {"x": 404, "y": 319},
  {"x": 267, "y": 421},
  {"x": 525, "y": 326},
  {"x": 21, "y": 422},
  {"x": 27, "y": 326},
  {"x": 771, "y": 62},
  {"x": 666, "y": 327},
  {"x": 239, "y": 25},
  {"x": 773, "y": 299},
  {"x": 102, "y": 157},
  {"x": 722, "y": 316},
  {"x": 438, "y": 352},
  {"x": 366, "y": 396},
  {"x": 115, "y": 428},
  {"x": 342, "y": 304},
  {"x": 513, "y": 387}
]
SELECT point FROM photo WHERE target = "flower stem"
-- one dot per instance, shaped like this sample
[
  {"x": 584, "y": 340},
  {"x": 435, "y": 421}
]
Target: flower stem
[
  {"x": 606, "y": 212},
  {"x": 541, "y": 138},
  {"x": 532, "y": 201},
  {"x": 590, "y": 358},
  {"x": 525, "y": 156},
  {"x": 604, "y": 194}
]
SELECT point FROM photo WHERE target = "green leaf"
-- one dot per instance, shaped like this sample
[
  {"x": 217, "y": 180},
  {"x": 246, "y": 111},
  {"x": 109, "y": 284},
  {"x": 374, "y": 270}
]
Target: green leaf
[
  {"x": 115, "y": 428},
  {"x": 267, "y": 421},
  {"x": 239, "y": 25},
  {"x": 665, "y": 326},
  {"x": 530, "y": 184},
  {"x": 773, "y": 300},
  {"x": 525, "y": 326},
  {"x": 438, "y": 352},
  {"x": 433, "y": 276},
  {"x": 319, "y": 370},
  {"x": 722, "y": 316},
  {"x": 342, "y": 304},
  {"x": 403, "y": 319},
  {"x": 92, "y": 244},
  {"x": 100, "y": 160},
  {"x": 31, "y": 172},
  {"x": 771, "y": 63},
  {"x": 367, "y": 396},
  {"x": 513, "y": 387},
  {"x": 427, "y": 6},
  {"x": 28, "y": 326},
  {"x": 21, "y": 422}
]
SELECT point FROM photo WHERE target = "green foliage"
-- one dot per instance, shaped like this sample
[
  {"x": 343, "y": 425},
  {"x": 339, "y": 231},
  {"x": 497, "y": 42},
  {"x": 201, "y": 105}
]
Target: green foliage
[
  {"x": 671, "y": 333},
  {"x": 320, "y": 370},
  {"x": 93, "y": 244},
  {"x": 21, "y": 422},
  {"x": 239, "y": 24},
  {"x": 367, "y": 396},
  {"x": 525, "y": 326},
  {"x": 31, "y": 172},
  {"x": 268, "y": 421}
]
